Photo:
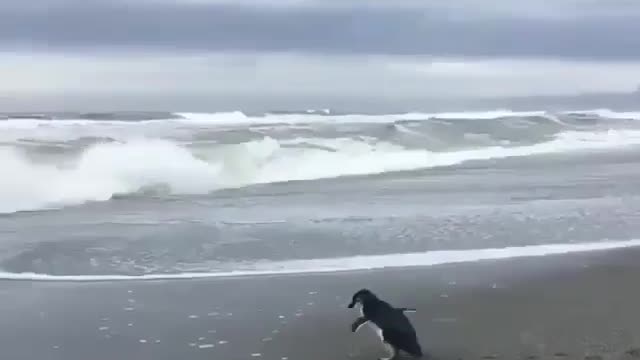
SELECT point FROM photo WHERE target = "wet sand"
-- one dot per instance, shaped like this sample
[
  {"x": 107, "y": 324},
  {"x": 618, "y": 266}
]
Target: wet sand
[{"x": 579, "y": 306}]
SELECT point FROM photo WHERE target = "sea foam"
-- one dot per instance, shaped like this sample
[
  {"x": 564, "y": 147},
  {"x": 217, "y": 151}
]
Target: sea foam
[
  {"x": 354, "y": 263},
  {"x": 105, "y": 170}
]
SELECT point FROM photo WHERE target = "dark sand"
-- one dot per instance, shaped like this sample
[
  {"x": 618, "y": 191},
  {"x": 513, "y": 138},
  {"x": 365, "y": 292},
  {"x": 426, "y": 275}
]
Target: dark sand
[{"x": 583, "y": 306}]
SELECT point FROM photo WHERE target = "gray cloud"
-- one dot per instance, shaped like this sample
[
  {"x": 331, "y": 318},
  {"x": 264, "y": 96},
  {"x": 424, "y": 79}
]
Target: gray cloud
[
  {"x": 497, "y": 28},
  {"x": 215, "y": 54},
  {"x": 259, "y": 73}
]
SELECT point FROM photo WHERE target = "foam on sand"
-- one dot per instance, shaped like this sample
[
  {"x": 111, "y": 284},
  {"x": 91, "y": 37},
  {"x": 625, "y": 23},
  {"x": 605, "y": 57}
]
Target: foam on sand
[{"x": 354, "y": 263}]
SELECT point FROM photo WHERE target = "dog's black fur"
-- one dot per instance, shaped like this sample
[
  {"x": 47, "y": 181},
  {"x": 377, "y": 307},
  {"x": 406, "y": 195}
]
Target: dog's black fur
[{"x": 397, "y": 331}]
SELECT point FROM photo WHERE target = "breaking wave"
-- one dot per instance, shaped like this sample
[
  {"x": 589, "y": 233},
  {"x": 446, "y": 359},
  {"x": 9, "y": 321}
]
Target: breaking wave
[
  {"x": 102, "y": 170},
  {"x": 239, "y": 118}
]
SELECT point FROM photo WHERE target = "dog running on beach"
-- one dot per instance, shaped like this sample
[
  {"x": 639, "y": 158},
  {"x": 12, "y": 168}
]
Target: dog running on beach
[{"x": 391, "y": 324}]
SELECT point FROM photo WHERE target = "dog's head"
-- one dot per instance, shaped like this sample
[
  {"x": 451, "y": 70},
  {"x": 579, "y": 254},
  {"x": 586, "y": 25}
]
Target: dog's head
[{"x": 361, "y": 296}]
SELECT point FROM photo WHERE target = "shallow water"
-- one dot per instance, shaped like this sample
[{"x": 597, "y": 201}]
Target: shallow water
[{"x": 113, "y": 197}]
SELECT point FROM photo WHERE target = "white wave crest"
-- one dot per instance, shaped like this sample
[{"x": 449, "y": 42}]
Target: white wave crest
[
  {"x": 355, "y": 263},
  {"x": 107, "y": 169},
  {"x": 185, "y": 124},
  {"x": 235, "y": 118},
  {"x": 102, "y": 171},
  {"x": 610, "y": 114},
  {"x": 238, "y": 118},
  {"x": 241, "y": 119}
]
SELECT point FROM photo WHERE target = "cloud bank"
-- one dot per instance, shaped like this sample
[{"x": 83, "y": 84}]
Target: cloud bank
[{"x": 245, "y": 49}]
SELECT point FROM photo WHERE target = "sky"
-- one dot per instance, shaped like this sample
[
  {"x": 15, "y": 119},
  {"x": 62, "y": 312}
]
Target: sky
[{"x": 186, "y": 54}]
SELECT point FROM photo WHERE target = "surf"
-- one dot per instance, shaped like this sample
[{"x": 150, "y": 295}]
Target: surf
[
  {"x": 103, "y": 171},
  {"x": 347, "y": 264}
]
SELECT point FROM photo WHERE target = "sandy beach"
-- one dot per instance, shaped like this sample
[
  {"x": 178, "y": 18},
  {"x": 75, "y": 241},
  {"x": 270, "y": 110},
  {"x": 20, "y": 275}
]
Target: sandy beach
[{"x": 579, "y": 306}]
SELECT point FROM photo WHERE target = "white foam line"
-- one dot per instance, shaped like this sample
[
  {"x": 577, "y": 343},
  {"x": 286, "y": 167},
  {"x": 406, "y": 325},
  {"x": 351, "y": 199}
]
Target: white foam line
[{"x": 356, "y": 263}]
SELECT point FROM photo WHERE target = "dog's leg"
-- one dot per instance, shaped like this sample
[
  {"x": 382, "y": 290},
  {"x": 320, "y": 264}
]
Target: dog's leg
[
  {"x": 358, "y": 324},
  {"x": 393, "y": 352}
]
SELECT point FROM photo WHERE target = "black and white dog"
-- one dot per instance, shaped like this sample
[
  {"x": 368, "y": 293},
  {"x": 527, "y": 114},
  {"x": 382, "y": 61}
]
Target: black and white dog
[{"x": 391, "y": 324}]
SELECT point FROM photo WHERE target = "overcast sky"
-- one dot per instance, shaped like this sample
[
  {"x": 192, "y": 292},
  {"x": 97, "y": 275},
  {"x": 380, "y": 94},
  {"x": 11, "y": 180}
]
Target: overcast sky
[{"x": 375, "y": 49}]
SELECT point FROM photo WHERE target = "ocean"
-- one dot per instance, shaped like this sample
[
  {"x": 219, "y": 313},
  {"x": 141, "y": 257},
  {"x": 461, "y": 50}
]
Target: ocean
[{"x": 122, "y": 196}]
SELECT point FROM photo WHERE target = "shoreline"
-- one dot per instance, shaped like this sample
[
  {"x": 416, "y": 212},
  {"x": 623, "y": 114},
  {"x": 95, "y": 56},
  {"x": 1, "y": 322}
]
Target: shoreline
[
  {"x": 572, "y": 306},
  {"x": 409, "y": 261}
]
